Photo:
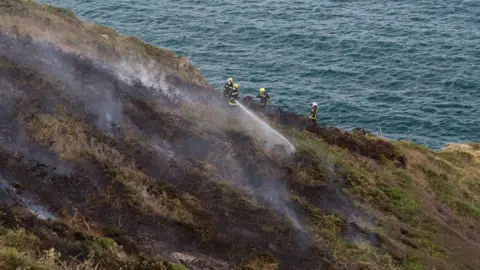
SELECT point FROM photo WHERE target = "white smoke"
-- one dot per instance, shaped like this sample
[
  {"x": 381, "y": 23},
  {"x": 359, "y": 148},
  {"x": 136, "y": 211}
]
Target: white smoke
[
  {"x": 146, "y": 74},
  {"x": 98, "y": 96},
  {"x": 9, "y": 194},
  {"x": 272, "y": 192},
  {"x": 276, "y": 194},
  {"x": 110, "y": 112}
]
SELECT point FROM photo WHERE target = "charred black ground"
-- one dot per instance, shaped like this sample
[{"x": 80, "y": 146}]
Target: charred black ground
[
  {"x": 117, "y": 165},
  {"x": 227, "y": 225}
]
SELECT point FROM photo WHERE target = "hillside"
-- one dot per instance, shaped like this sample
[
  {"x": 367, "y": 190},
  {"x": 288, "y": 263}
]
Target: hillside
[{"x": 116, "y": 154}]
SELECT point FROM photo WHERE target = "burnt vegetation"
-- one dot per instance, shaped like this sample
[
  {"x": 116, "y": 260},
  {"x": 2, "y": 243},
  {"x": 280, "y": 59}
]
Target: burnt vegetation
[{"x": 101, "y": 168}]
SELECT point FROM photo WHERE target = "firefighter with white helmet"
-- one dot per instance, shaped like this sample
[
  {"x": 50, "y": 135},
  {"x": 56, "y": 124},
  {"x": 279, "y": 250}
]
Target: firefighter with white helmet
[{"x": 313, "y": 113}]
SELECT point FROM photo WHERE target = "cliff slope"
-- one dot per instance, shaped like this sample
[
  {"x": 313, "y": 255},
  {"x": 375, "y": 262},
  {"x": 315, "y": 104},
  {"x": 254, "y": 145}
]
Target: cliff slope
[{"x": 115, "y": 154}]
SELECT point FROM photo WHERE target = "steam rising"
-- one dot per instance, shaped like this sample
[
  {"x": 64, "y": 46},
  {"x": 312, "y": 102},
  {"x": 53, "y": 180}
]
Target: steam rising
[
  {"x": 275, "y": 194},
  {"x": 271, "y": 191},
  {"x": 100, "y": 90},
  {"x": 147, "y": 75}
]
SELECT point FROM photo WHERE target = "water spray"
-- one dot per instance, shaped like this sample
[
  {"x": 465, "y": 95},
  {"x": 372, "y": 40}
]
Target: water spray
[{"x": 268, "y": 129}]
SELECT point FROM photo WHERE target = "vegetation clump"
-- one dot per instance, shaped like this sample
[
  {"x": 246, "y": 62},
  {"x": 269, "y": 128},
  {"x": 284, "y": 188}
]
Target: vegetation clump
[{"x": 102, "y": 171}]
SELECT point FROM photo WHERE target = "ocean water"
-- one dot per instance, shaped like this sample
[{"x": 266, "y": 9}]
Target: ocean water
[{"x": 405, "y": 69}]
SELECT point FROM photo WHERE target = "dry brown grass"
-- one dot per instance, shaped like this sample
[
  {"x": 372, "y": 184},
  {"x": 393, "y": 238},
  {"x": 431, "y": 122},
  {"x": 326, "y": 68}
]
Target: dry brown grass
[
  {"x": 304, "y": 177},
  {"x": 70, "y": 139},
  {"x": 472, "y": 149},
  {"x": 21, "y": 250},
  {"x": 416, "y": 158},
  {"x": 326, "y": 228},
  {"x": 446, "y": 183},
  {"x": 416, "y": 196},
  {"x": 171, "y": 208},
  {"x": 262, "y": 262},
  {"x": 61, "y": 27},
  {"x": 407, "y": 197},
  {"x": 207, "y": 118},
  {"x": 81, "y": 223},
  {"x": 450, "y": 174}
]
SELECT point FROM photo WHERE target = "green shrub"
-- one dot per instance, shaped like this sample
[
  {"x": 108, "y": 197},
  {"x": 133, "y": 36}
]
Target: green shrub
[
  {"x": 440, "y": 184},
  {"x": 412, "y": 264},
  {"x": 263, "y": 261},
  {"x": 12, "y": 259},
  {"x": 102, "y": 29},
  {"x": 64, "y": 13},
  {"x": 176, "y": 266},
  {"x": 400, "y": 202},
  {"x": 104, "y": 245},
  {"x": 458, "y": 157},
  {"x": 19, "y": 239},
  {"x": 403, "y": 177},
  {"x": 467, "y": 209},
  {"x": 473, "y": 185}
]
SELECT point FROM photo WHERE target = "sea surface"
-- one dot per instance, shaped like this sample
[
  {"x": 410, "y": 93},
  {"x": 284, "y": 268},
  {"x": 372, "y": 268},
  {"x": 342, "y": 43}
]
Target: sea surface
[{"x": 407, "y": 69}]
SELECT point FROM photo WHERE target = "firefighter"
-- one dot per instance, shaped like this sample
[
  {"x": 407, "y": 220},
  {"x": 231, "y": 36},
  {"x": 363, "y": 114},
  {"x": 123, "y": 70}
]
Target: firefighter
[
  {"x": 313, "y": 113},
  {"x": 233, "y": 95},
  {"x": 264, "y": 97},
  {"x": 228, "y": 88}
]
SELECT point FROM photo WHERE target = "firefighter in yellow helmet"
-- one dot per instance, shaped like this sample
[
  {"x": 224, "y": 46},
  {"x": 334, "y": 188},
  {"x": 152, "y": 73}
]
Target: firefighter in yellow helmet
[
  {"x": 313, "y": 113},
  {"x": 264, "y": 97},
  {"x": 233, "y": 95},
  {"x": 228, "y": 88}
]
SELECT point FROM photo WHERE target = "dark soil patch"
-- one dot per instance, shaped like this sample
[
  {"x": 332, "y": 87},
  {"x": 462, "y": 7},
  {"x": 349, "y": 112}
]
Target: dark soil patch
[
  {"x": 229, "y": 227},
  {"x": 356, "y": 141}
]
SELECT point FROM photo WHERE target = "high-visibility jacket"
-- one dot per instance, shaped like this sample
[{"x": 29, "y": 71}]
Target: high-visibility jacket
[
  {"x": 264, "y": 97},
  {"x": 313, "y": 113},
  {"x": 234, "y": 93},
  {"x": 227, "y": 89}
]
